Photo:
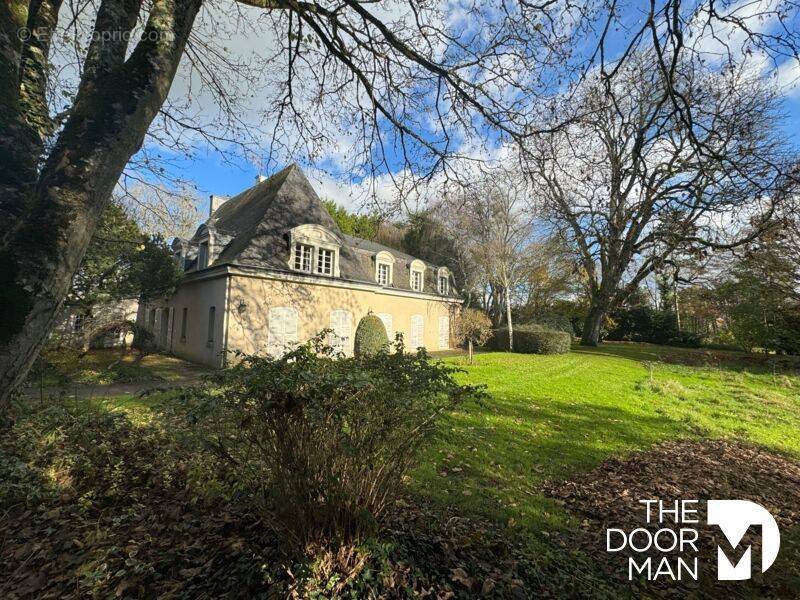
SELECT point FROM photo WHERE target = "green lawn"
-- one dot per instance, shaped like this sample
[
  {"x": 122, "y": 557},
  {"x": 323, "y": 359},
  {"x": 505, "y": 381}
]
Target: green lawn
[
  {"x": 136, "y": 460},
  {"x": 550, "y": 416}
]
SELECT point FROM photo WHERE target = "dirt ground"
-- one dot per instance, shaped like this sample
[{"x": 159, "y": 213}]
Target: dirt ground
[{"x": 609, "y": 496}]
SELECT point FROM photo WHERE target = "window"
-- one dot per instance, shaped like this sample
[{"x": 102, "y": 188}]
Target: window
[
  {"x": 416, "y": 280},
  {"x": 202, "y": 255},
  {"x": 324, "y": 261},
  {"x": 282, "y": 330},
  {"x": 342, "y": 326},
  {"x": 444, "y": 333},
  {"x": 314, "y": 249},
  {"x": 384, "y": 265},
  {"x": 152, "y": 319},
  {"x": 212, "y": 313},
  {"x": 444, "y": 285},
  {"x": 417, "y": 275},
  {"x": 183, "y": 324},
  {"x": 387, "y": 323},
  {"x": 384, "y": 272},
  {"x": 417, "y": 332},
  {"x": 164, "y": 326},
  {"x": 302, "y": 257}
]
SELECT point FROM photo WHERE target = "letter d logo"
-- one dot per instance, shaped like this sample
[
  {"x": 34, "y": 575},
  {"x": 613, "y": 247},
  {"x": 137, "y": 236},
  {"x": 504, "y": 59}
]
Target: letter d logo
[{"x": 734, "y": 517}]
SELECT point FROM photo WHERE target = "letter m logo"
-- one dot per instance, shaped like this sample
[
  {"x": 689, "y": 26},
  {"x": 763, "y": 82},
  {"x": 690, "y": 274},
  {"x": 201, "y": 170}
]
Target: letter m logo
[{"x": 734, "y": 518}]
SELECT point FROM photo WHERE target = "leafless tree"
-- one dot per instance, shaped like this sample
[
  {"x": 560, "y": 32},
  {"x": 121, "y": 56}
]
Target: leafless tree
[
  {"x": 406, "y": 80},
  {"x": 632, "y": 185},
  {"x": 494, "y": 219}
]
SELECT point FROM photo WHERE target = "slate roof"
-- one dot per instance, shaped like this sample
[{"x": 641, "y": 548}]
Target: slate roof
[{"x": 252, "y": 230}]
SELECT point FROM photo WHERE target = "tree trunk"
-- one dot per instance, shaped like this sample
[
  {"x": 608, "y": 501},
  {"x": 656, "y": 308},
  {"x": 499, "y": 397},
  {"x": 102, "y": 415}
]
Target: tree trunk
[
  {"x": 469, "y": 350},
  {"x": 592, "y": 325},
  {"x": 115, "y": 105},
  {"x": 508, "y": 319}
]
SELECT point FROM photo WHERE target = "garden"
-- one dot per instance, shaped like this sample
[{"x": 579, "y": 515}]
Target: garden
[{"x": 499, "y": 484}]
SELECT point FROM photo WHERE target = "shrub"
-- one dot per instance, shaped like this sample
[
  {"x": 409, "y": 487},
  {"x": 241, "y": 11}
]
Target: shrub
[
  {"x": 642, "y": 324},
  {"x": 321, "y": 445},
  {"x": 687, "y": 339},
  {"x": 533, "y": 339},
  {"x": 472, "y": 326},
  {"x": 370, "y": 337}
]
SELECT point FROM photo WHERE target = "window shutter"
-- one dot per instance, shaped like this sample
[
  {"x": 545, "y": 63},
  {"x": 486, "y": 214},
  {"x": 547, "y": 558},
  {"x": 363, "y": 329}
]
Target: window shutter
[
  {"x": 342, "y": 325},
  {"x": 386, "y": 318},
  {"x": 282, "y": 328},
  {"x": 417, "y": 332},
  {"x": 444, "y": 333}
]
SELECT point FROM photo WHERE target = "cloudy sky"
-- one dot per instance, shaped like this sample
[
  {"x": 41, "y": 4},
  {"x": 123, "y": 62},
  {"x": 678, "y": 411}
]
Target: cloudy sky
[{"x": 247, "y": 38}]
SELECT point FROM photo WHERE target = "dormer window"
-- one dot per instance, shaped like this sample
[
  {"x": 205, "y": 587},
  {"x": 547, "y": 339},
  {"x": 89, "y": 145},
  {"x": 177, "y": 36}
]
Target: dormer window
[
  {"x": 383, "y": 274},
  {"x": 302, "y": 257},
  {"x": 384, "y": 267},
  {"x": 416, "y": 280},
  {"x": 202, "y": 255},
  {"x": 205, "y": 242},
  {"x": 324, "y": 261},
  {"x": 417, "y": 275},
  {"x": 314, "y": 249},
  {"x": 443, "y": 281}
]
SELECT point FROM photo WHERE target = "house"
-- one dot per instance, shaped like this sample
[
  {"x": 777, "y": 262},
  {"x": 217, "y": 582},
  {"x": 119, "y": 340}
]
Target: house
[{"x": 270, "y": 268}]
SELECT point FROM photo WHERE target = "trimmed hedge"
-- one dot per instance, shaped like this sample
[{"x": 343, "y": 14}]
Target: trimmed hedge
[
  {"x": 532, "y": 339},
  {"x": 370, "y": 337}
]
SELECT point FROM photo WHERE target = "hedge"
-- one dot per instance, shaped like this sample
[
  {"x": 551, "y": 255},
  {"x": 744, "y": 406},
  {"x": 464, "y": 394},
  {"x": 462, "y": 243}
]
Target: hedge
[
  {"x": 532, "y": 339},
  {"x": 370, "y": 337}
]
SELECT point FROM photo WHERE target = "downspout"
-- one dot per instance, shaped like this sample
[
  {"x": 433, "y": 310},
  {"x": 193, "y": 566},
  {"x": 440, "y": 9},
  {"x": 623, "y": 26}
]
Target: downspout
[{"x": 226, "y": 305}]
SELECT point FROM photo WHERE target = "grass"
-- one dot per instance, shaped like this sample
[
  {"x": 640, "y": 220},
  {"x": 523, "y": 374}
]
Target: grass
[
  {"x": 550, "y": 416},
  {"x": 547, "y": 417},
  {"x": 66, "y": 366}
]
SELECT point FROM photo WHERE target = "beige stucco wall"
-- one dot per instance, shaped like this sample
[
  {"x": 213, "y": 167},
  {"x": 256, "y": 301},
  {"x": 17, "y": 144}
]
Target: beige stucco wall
[
  {"x": 251, "y": 299},
  {"x": 242, "y": 308},
  {"x": 197, "y": 297}
]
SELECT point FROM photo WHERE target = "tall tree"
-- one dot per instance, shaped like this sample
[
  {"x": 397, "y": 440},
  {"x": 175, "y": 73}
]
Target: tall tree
[
  {"x": 361, "y": 226},
  {"x": 632, "y": 184},
  {"x": 494, "y": 221},
  {"x": 345, "y": 65},
  {"x": 121, "y": 263}
]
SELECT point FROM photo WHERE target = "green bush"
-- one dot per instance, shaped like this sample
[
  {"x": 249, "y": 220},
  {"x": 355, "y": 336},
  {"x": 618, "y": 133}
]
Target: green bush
[
  {"x": 370, "y": 337},
  {"x": 532, "y": 339},
  {"x": 320, "y": 445}
]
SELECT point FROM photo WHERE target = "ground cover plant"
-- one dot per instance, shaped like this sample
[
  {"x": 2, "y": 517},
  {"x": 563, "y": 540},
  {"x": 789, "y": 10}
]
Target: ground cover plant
[{"x": 127, "y": 496}]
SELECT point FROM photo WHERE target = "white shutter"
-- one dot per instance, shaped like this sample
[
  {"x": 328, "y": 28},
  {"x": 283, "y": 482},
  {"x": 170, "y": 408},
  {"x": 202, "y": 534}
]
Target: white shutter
[
  {"x": 282, "y": 329},
  {"x": 386, "y": 318},
  {"x": 342, "y": 325},
  {"x": 444, "y": 333},
  {"x": 417, "y": 332}
]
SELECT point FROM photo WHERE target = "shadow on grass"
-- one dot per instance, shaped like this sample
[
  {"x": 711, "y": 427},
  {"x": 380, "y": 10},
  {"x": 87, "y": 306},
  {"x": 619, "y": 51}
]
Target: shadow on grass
[
  {"x": 489, "y": 460},
  {"x": 695, "y": 357}
]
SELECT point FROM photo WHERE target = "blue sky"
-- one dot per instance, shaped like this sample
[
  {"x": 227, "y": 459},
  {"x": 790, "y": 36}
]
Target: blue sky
[{"x": 228, "y": 173}]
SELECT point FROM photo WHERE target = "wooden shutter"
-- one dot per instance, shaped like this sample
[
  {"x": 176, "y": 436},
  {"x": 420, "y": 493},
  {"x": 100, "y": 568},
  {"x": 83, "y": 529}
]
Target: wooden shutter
[
  {"x": 444, "y": 333},
  {"x": 386, "y": 318},
  {"x": 342, "y": 325},
  {"x": 282, "y": 328},
  {"x": 417, "y": 332}
]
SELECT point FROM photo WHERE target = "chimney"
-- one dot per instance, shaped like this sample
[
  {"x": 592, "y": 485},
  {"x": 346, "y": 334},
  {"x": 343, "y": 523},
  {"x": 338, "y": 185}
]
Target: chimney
[
  {"x": 260, "y": 178},
  {"x": 214, "y": 202}
]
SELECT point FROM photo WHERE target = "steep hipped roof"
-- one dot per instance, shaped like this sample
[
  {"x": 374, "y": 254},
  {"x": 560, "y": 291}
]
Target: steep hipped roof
[{"x": 254, "y": 227}]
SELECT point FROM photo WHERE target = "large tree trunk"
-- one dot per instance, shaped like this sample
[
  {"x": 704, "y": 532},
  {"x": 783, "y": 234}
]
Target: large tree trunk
[
  {"x": 116, "y": 102},
  {"x": 593, "y": 325}
]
